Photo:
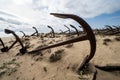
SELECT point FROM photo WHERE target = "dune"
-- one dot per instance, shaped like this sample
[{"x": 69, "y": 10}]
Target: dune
[{"x": 44, "y": 66}]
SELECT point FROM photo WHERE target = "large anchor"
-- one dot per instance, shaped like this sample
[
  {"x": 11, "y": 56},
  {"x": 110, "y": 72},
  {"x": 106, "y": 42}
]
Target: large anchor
[
  {"x": 52, "y": 32},
  {"x": 36, "y": 32},
  {"x": 75, "y": 29},
  {"x": 87, "y": 36},
  {"x": 6, "y": 49}
]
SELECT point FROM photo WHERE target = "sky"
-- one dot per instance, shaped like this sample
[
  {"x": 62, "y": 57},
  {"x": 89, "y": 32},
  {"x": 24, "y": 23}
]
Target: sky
[{"x": 24, "y": 14}]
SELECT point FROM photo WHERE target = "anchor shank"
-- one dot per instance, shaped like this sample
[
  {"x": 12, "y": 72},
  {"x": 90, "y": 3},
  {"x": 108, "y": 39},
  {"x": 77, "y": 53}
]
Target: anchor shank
[
  {"x": 12, "y": 45},
  {"x": 80, "y": 38},
  {"x": 2, "y": 42}
]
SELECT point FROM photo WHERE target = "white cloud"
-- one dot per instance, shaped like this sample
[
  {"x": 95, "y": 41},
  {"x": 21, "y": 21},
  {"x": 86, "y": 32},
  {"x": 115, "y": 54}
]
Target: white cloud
[{"x": 37, "y": 11}]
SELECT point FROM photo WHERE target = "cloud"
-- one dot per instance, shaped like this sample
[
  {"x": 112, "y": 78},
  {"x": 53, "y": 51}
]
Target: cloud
[
  {"x": 86, "y": 8},
  {"x": 10, "y": 18},
  {"x": 4, "y": 13},
  {"x": 12, "y": 21},
  {"x": 36, "y": 12},
  {"x": 2, "y": 19}
]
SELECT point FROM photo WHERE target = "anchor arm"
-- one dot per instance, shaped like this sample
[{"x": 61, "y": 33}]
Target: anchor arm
[
  {"x": 67, "y": 28},
  {"x": 53, "y": 33},
  {"x": 12, "y": 45},
  {"x": 36, "y": 31},
  {"x": 75, "y": 29},
  {"x": 86, "y": 27},
  {"x": 23, "y": 34},
  {"x": 2, "y": 42}
]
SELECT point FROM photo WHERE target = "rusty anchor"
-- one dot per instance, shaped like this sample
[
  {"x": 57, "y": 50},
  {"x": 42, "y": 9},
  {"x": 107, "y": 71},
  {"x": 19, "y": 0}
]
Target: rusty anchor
[
  {"x": 36, "y": 32},
  {"x": 24, "y": 35},
  {"x": 68, "y": 30},
  {"x": 5, "y": 48},
  {"x": 23, "y": 50},
  {"x": 52, "y": 31},
  {"x": 75, "y": 29},
  {"x": 88, "y": 36}
]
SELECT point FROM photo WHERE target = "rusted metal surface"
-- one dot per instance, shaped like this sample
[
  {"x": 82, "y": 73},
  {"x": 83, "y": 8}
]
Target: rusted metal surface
[
  {"x": 23, "y": 49},
  {"x": 75, "y": 29},
  {"x": 88, "y": 36},
  {"x": 36, "y": 32},
  {"x": 52, "y": 31}
]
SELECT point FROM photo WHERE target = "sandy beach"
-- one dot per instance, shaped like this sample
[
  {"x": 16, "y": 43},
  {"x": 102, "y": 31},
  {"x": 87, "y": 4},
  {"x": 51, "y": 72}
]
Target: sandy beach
[{"x": 41, "y": 67}]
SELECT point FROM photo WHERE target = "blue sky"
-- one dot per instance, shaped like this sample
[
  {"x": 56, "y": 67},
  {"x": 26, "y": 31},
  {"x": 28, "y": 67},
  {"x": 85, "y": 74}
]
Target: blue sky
[
  {"x": 105, "y": 19},
  {"x": 24, "y": 14}
]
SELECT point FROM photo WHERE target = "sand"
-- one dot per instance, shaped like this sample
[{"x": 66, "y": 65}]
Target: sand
[{"x": 39, "y": 67}]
